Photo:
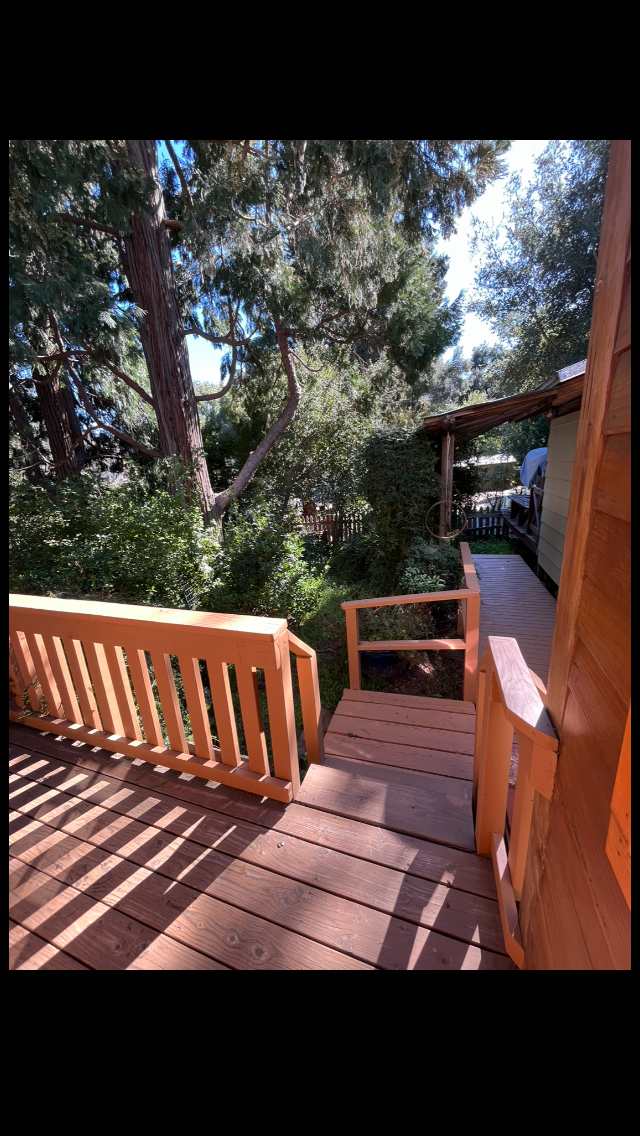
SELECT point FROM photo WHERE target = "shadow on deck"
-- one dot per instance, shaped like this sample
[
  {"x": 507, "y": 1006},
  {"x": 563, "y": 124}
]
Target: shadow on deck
[{"x": 115, "y": 865}]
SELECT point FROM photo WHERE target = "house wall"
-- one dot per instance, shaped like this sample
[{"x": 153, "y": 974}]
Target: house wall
[
  {"x": 574, "y": 914},
  {"x": 557, "y": 488}
]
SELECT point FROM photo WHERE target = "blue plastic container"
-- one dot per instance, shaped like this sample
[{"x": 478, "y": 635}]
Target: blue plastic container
[{"x": 380, "y": 663}]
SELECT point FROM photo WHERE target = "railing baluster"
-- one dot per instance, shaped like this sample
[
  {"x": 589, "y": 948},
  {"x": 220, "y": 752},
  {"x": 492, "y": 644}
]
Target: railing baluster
[
  {"x": 62, "y": 676},
  {"x": 103, "y": 687},
  {"x": 82, "y": 683},
  {"x": 471, "y": 633},
  {"x": 144, "y": 695},
  {"x": 197, "y": 707},
  {"x": 224, "y": 712},
  {"x": 144, "y": 698},
  {"x": 122, "y": 691},
  {"x": 169, "y": 701},
  {"x": 40, "y": 658},
  {"x": 27, "y": 669},
  {"x": 282, "y": 723},
  {"x": 247, "y": 680},
  {"x": 351, "y": 614}
]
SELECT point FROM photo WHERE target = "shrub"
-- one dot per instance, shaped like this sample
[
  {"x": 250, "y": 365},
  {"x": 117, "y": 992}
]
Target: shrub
[
  {"x": 260, "y": 568},
  {"x": 84, "y": 537}
]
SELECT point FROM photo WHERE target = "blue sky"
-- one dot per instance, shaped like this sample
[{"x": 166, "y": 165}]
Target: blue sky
[
  {"x": 205, "y": 360},
  {"x": 489, "y": 208}
]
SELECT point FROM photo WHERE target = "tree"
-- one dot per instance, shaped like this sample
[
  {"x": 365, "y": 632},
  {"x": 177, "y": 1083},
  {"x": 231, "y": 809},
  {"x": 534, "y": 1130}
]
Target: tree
[
  {"x": 277, "y": 245},
  {"x": 72, "y": 324},
  {"x": 537, "y": 277}
]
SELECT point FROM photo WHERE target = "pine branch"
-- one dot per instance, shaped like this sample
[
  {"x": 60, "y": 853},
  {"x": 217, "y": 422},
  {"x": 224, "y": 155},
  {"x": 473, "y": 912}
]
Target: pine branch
[
  {"x": 125, "y": 379},
  {"x": 228, "y": 339},
  {"x": 84, "y": 398},
  {"x": 186, "y": 193}
]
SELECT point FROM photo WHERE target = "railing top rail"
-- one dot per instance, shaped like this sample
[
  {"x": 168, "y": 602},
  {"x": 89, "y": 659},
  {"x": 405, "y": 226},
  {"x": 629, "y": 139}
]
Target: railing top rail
[
  {"x": 523, "y": 705},
  {"x": 130, "y": 614},
  {"x": 418, "y": 597}
]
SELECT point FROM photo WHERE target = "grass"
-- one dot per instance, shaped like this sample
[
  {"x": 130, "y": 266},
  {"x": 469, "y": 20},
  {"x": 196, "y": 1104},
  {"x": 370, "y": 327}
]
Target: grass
[{"x": 492, "y": 546}]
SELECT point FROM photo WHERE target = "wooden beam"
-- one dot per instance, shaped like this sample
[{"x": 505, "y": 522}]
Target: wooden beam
[{"x": 446, "y": 472}]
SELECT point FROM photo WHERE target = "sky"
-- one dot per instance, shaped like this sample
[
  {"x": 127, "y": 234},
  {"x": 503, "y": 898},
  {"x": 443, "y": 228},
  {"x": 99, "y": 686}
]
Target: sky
[
  {"x": 489, "y": 208},
  {"x": 205, "y": 359}
]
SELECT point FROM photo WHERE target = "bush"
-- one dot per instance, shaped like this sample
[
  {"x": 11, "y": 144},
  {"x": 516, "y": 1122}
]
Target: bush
[
  {"x": 429, "y": 567},
  {"x": 86, "y": 538},
  {"x": 260, "y": 568},
  {"x": 399, "y": 481}
]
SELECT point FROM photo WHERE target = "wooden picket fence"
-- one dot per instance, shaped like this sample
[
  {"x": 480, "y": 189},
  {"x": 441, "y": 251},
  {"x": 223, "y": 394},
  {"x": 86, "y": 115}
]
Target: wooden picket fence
[
  {"x": 336, "y": 528},
  {"x": 485, "y": 522}
]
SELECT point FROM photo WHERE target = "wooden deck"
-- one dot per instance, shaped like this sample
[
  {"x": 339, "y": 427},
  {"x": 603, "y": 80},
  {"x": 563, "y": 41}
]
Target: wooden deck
[
  {"x": 515, "y": 603},
  {"x": 115, "y": 865}
]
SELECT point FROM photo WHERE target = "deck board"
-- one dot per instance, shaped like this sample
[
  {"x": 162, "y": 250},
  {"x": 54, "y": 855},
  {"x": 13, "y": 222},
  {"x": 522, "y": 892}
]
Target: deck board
[
  {"x": 515, "y": 603},
  {"x": 113, "y": 866},
  {"x": 69, "y": 857}
]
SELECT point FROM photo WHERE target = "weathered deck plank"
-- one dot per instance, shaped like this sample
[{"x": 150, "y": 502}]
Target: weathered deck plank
[{"x": 514, "y": 602}]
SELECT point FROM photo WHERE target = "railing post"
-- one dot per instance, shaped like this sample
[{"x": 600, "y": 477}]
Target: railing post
[
  {"x": 493, "y": 782},
  {"x": 351, "y": 614},
  {"x": 479, "y": 750},
  {"x": 282, "y": 722},
  {"x": 472, "y": 627}
]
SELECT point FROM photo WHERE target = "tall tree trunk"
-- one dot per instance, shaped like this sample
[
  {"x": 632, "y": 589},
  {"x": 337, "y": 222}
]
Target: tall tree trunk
[
  {"x": 61, "y": 423},
  {"x": 23, "y": 425},
  {"x": 149, "y": 268}
]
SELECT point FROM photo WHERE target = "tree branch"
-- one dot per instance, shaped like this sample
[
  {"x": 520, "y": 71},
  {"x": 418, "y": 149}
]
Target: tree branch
[
  {"x": 217, "y": 338},
  {"x": 255, "y": 459},
  {"x": 66, "y": 355},
  {"x": 88, "y": 224},
  {"x": 125, "y": 379},
  {"x": 186, "y": 193},
  {"x": 84, "y": 398}
]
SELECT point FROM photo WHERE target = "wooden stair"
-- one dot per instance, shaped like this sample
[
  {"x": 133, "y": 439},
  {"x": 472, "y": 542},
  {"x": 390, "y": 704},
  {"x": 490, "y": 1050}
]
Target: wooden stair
[{"x": 401, "y": 762}]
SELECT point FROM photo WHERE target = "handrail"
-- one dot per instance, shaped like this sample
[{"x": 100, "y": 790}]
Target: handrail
[
  {"x": 509, "y": 699},
  {"x": 80, "y": 668},
  {"x": 469, "y": 599}
]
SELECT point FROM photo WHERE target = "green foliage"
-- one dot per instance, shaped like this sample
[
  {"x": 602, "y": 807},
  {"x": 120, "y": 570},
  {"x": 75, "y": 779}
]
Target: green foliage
[
  {"x": 399, "y": 480},
  {"x": 535, "y": 285},
  {"x": 123, "y": 543},
  {"x": 403, "y": 621},
  {"x": 429, "y": 567},
  {"x": 318, "y": 453},
  {"x": 260, "y": 569}
]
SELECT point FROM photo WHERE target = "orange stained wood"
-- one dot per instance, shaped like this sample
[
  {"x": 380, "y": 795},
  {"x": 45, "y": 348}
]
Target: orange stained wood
[
  {"x": 619, "y": 834},
  {"x": 574, "y": 911},
  {"x": 88, "y": 664},
  {"x": 469, "y": 599},
  {"x": 184, "y": 876}
]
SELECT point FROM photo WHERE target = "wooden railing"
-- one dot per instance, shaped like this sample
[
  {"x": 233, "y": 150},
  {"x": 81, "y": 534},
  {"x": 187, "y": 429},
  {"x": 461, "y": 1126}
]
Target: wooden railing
[
  {"x": 469, "y": 598},
  {"x": 510, "y": 698},
  {"x": 80, "y": 669}
]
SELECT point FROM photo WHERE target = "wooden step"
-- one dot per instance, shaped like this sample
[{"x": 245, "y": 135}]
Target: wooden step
[
  {"x": 400, "y": 756},
  {"x": 418, "y": 702},
  {"x": 435, "y": 808}
]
